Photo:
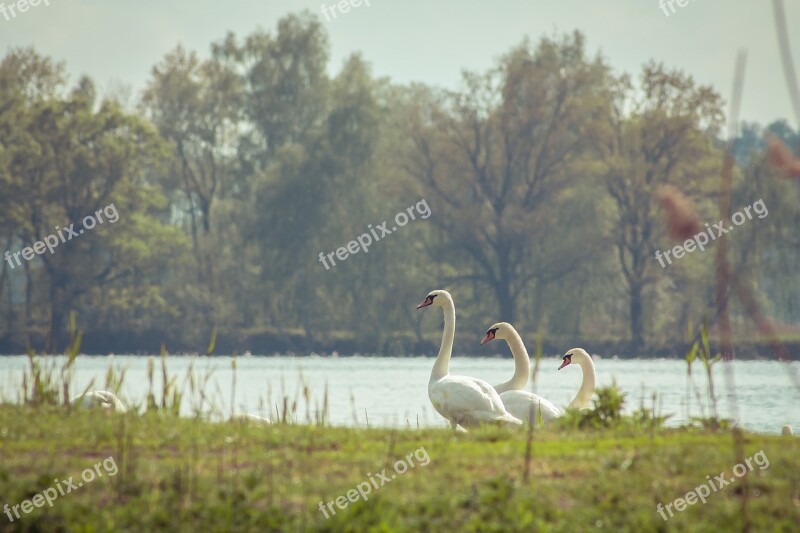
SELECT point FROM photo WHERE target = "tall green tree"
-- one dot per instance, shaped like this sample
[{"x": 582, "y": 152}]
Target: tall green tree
[
  {"x": 197, "y": 107},
  {"x": 319, "y": 193},
  {"x": 68, "y": 157},
  {"x": 661, "y": 131},
  {"x": 285, "y": 83},
  {"x": 497, "y": 155}
]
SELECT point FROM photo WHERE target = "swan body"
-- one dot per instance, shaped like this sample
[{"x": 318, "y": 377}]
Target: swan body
[
  {"x": 462, "y": 400},
  {"x": 520, "y": 403},
  {"x": 583, "y": 399},
  {"x": 99, "y": 398},
  {"x": 787, "y": 430},
  {"x": 250, "y": 417},
  {"x": 523, "y": 405},
  {"x": 468, "y": 401}
]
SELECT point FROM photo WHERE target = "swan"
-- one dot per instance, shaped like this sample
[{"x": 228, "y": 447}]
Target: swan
[
  {"x": 460, "y": 399},
  {"x": 99, "y": 398},
  {"x": 787, "y": 430},
  {"x": 584, "y": 397},
  {"x": 250, "y": 417},
  {"x": 518, "y": 402}
]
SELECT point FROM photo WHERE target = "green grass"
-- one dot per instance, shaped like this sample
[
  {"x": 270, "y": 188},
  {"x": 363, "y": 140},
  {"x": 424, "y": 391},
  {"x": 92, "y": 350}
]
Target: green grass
[{"x": 182, "y": 474}]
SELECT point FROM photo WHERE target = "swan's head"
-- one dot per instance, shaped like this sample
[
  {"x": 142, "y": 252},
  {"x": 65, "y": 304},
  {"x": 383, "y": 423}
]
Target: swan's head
[
  {"x": 501, "y": 330},
  {"x": 577, "y": 353},
  {"x": 437, "y": 298}
]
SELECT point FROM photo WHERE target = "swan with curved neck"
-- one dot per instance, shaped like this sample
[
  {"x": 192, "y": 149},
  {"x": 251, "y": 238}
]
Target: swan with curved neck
[
  {"x": 585, "y": 393},
  {"x": 520, "y": 403},
  {"x": 99, "y": 398},
  {"x": 462, "y": 400}
]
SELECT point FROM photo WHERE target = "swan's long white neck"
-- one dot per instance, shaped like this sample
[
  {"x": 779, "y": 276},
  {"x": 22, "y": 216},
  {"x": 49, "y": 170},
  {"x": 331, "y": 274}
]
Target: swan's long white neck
[
  {"x": 522, "y": 365},
  {"x": 585, "y": 393},
  {"x": 441, "y": 366}
]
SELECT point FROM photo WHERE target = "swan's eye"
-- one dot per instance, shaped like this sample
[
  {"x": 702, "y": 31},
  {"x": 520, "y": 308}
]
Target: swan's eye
[{"x": 431, "y": 297}]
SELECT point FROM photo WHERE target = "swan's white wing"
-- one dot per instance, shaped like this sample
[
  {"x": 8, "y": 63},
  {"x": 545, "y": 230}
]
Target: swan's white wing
[
  {"x": 468, "y": 401},
  {"x": 250, "y": 417},
  {"x": 100, "y": 398},
  {"x": 520, "y": 403}
]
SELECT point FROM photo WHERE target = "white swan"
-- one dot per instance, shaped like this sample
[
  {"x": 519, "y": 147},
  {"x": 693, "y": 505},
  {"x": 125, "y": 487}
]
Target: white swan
[
  {"x": 460, "y": 399},
  {"x": 787, "y": 430},
  {"x": 250, "y": 417},
  {"x": 99, "y": 398},
  {"x": 584, "y": 397},
  {"x": 518, "y": 402}
]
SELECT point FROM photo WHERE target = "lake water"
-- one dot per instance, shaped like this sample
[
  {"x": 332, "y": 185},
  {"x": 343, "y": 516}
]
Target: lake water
[{"x": 392, "y": 391}]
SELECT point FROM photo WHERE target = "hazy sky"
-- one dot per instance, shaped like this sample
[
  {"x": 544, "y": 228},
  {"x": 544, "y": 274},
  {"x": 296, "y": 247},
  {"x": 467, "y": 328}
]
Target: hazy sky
[{"x": 117, "y": 42}]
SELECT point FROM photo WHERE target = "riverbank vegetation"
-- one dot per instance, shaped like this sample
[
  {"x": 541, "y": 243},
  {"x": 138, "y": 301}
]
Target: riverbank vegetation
[
  {"x": 186, "y": 473},
  {"x": 606, "y": 468}
]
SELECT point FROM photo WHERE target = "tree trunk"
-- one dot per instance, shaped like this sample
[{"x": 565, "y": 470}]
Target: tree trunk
[
  {"x": 28, "y": 315},
  {"x": 637, "y": 322},
  {"x": 577, "y": 325},
  {"x": 56, "y": 320},
  {"x": 6, "y": 281},
  {"x": 536, "y": 308},
  {"x": 505, "y": 302}
]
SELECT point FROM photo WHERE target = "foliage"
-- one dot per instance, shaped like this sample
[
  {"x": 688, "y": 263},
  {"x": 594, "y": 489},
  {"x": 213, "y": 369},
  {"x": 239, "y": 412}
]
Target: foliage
[
  {"x": 238, "y": 167},
  {"x": 189, "y": 474},
  {"x": 171, "y": 397},
  {"x": 607, "y": 412},
  {"x": 46, "y": 384}
]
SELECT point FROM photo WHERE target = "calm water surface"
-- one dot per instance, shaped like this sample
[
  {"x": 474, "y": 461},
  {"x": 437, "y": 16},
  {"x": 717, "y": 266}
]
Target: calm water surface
[{"x": 392, "y": 391}]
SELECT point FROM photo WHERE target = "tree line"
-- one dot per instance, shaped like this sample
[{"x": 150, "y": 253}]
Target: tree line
[{"x": 233, "y": 170}]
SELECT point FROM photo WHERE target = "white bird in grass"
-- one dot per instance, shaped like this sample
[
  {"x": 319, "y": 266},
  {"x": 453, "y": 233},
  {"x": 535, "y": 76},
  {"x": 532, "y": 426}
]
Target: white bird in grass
[
  {"x": 99, "y": 398},
  {"x": 460, "y": 399},
  {"x": 519, "y": 402},
  {"x": 584, "y": 397},
  {"x": 249, "y": 417}
]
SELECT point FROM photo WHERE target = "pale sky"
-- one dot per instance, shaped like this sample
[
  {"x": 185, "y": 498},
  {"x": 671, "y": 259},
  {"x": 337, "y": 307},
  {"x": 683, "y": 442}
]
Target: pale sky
[{"x": 117, "y": 42}]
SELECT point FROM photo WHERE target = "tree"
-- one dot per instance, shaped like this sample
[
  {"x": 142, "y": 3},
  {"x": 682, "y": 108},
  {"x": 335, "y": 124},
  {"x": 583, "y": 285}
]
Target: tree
[
  {"x": 766, "y": 248},
  {"x": 197, "y": 107},
  {"x": 496, "y": 157},
  {"x": 318, "y": 191},
  {"x": 285, "y": 84},
  {"x": 660, "y": 132},
  {"x": 66, "y": 158}
]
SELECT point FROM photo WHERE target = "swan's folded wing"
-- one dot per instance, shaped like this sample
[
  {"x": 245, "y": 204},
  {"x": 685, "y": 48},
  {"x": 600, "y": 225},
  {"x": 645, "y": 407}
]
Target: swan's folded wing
[
  {"x": 520, "y": 403},
  {"x": 463, "y": 398}
]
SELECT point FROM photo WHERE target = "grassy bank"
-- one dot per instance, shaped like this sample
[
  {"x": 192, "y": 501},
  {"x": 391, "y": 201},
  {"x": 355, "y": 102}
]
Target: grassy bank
[{"x": 189, "y": 475}]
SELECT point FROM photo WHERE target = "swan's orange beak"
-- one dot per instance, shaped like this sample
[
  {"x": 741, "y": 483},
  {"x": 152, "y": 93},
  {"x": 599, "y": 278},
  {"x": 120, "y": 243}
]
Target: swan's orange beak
[
  {"x": 489, "y": 336},
  {"x": 567, "y": 361},
  {"x": 428, "y": 301}
]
